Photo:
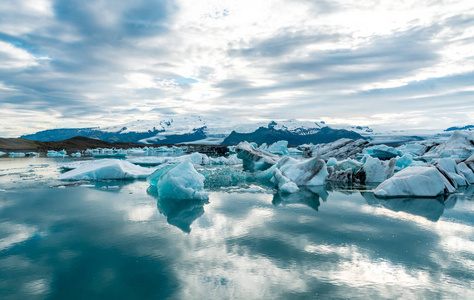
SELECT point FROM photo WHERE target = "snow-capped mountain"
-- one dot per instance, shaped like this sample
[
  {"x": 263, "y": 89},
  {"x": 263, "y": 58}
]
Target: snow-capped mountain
[{"x": 197, "y": 129}]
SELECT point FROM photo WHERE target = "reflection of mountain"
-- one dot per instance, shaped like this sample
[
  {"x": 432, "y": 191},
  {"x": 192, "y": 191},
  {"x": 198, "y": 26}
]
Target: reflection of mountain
[
  {"x": 306, "y": 195},
  {"x": 179, "y": 213}
]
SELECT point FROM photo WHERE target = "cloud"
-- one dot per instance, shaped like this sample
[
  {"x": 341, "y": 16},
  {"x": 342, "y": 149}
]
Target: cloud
[{"x": 92, "y": 61}]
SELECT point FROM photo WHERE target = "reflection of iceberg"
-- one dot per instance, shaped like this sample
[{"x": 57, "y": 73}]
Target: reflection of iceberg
[
  {"x": 305, "y": 195},
  {"x": 431, "y": 209},
  {"x": 179, "y": 213}
]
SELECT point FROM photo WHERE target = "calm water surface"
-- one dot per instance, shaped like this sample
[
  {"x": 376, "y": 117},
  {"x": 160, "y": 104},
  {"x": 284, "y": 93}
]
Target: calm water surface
[{"x": 118, "y": 240}]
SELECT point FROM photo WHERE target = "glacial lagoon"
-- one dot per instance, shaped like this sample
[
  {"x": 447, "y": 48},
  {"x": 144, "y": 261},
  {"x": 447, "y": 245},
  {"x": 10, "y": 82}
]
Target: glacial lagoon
[{"x": 117, "y": 239}]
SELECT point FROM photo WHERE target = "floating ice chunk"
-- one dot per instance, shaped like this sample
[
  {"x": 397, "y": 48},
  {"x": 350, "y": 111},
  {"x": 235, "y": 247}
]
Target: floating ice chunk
[
  {"x": 382, "y": 151},
  {"x": 466, "y": 172},
  {"x": 349, "y": 163},
  {"x": 375, "y": 170},
  {"x": 77, "y": 154},
  {"x": 284, "y": 184},
  {"x": 179, "y": 182},
  {"x": 311, "y": 172},
  {"x": 196, "y": 158},
  {"x": 449, "y": 169},
  {"x": 331, "y": 162},
  {"x": 460, "y": 144},
  {"x": 17, "y": 154},
  {"x": 253, "y": 159},
  {"x": 404, "y": 161},
  {"x": 222, "y": 160},
  {"x": 415, "y": 149},
  {"x": 279, "y": 148},
  {"x": 415, "y": 182},
  {"x": 343, "y": 176},
  {"x": 2, "y": 153},
  {"x": 106, "y": 169},
  {"x": 340, "y": 149},
  {"x": 263, "y": 147},
  {"x": 52, "y": 153}
]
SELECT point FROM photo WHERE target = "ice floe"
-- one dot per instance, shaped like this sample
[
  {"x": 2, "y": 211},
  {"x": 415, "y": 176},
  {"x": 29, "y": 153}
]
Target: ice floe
[{"x": 106, "y": 169}]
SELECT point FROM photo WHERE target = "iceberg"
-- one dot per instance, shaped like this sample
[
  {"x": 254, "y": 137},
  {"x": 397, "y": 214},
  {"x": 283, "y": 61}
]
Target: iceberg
[
  {"x": 466, "y": 172},
  {"x": 179, "y": 182},
  {"x": 311, "y": 172},
  {"x": 106, "y": 169},
  {"x": 415, "y": 182},
  {"x": 2, "y": 153},
  {"x": 52, "y": 153},
  {"x": 375, "y": 170},
  {"x": 309, "y": 196},
  {"x": 17, "y": 154},
  {"x": 415, "y": 149},
  {"x": 279, "y": 148},
  {"x": 382, "y": 151},
  {"x": 449, "y": 169},
  {"x": 460, "y": 144},
  {"x": 340, "y": 149},
  {"x": 285, "y": 185},
  {"x": 253, "y": 159}
]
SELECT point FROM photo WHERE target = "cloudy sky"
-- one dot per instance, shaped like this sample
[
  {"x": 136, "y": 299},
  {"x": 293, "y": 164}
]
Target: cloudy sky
[{"x": 78, "y": 63}]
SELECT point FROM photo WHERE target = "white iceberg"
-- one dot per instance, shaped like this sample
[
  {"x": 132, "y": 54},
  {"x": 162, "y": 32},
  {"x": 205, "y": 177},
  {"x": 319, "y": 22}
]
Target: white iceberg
[
  {"x": 279, "y": 148},
  {"x": 2, "y": 153},
  {"x": 254, "y": 159},
  {"x": 460, "y": 145},
  {"x": 375, "y": 170},
  {"x": 340, "y": 149},
  {"x": 106, "y": 169},
  {"x": 179, "y": 182},
  {"x": 449, "y": 169},
  {"x": 466, "y": 172},
  {"x": 415, "y": 182},
  {"x": 311, "y": 172},
  {"x": 285, "y": 185},
  {"x": 382, "y": 151}
]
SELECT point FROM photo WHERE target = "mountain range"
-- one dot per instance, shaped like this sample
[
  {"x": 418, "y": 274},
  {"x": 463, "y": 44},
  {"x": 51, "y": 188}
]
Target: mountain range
[{"x": 220, "y": 131}]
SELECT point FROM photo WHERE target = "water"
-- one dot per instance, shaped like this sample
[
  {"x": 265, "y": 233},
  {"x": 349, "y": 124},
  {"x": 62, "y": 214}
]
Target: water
[{"x": 117, "y": 240}]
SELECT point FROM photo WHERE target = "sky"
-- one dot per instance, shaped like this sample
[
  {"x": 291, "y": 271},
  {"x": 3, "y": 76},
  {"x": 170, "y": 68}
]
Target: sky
[{"x": 394, "y": 64}]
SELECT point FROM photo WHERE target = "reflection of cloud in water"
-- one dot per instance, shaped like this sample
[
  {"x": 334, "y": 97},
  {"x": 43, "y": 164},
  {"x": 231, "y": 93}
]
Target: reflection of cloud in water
[
  {"x": 179, "y": 213},
  {"x": 11, "y": 234}
]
